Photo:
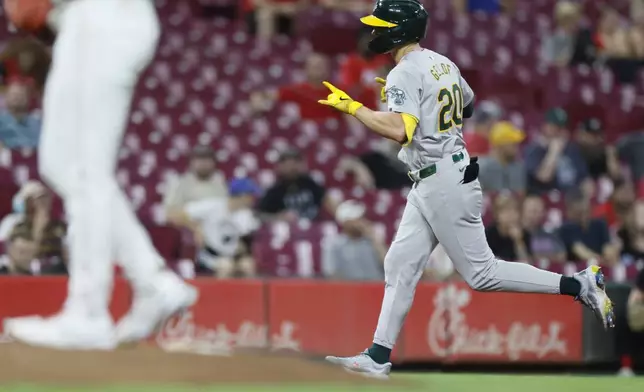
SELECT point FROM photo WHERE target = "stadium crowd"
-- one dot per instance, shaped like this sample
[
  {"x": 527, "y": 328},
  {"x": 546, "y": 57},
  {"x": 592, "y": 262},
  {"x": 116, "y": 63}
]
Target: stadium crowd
[{"x": 563, "y": 179}]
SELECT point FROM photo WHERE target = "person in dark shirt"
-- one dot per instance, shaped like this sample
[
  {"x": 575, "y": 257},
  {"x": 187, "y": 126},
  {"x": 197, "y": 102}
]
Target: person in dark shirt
[
  {"x": 379, "y": 168},
  {"x": 600, "y": 157},
  {"x": 295, "y": 194},
  {"x": 586, "y": 238},
  {"x": 632, "y": 234},
  {"x": 544, "y": 244},
  {"x": 552, "y": 161},
  {"x": 619, "y": 206},
  {"x": 507, "y": 239},
  {"x": 629, "y": 148}
]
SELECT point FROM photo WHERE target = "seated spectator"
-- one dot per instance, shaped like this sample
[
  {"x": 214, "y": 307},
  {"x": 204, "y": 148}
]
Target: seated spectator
[
  {"x": 632, "y": 235},
  {"x": 570, "y": 43},
  {"x": 356, "y": 253},
  {"x": 503, "y": 169},
  {"x": 612, "y": 36},
  {"x": 379, "y": 168},
  {"x": 295, "y": 195},
  {"x": 201, "y": 182},
  {"x": 486, "y": 113},
  {"x": 618, "y": 207},
  {"x": 507, "y": 239},
  {"x": 28, "y": 190},
  {"x": 265, "y": 18},
  {"x": 615, "y": 46},
  {"x": 636, "y": 31},
  {"x": 586, "y": 238},
  {"x": 305, "y": 94},
  {"x": 492, "y": 7},
  {"x": 543, "y": 244},
  {"x": 600, "y": 157},
  {"x": 25, "y": 59},
  {"x": 635, "y": 307},
  {"x": 552, "y": 161},
  {"x": 47, "y": 232},
  {"x": 20, "y": 258},
  {"x": 228, "y": 225},
  {"x": 629, "y": 150},
  {"x": 19, "y": 126}
]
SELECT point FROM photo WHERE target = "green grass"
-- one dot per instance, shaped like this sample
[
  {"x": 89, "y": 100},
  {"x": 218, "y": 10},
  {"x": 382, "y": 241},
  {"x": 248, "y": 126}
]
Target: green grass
[{"x": 435, "y": 382}]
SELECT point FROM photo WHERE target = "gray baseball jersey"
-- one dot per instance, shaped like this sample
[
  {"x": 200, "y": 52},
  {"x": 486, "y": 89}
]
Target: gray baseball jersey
[{"x": 429, "y": 86}]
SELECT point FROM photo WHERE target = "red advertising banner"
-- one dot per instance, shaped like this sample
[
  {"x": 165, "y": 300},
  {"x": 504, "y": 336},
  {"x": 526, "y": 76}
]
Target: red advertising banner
[
  {"x": 457, "y": 324},
  {"x": 447, "y": 322},
  {"x": 229, "y": 314},
  {"x": 325, "y": 317}
]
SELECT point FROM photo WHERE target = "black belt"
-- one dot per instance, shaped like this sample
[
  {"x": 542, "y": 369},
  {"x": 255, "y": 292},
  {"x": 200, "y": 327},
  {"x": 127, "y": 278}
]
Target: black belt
[{"x": 432, "y": 169}]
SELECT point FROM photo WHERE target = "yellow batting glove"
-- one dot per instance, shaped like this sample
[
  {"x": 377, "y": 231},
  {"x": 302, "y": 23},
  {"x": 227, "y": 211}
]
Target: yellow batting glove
[
  {"x": 339, "y": 100},
  {"x": 383, "y": 91}
]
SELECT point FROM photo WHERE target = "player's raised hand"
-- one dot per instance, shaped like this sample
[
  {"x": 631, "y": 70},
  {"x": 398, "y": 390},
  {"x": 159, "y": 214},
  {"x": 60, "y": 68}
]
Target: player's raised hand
[
  {"x": 340, "y": 100},
  {"x": 383, "y": 90}
]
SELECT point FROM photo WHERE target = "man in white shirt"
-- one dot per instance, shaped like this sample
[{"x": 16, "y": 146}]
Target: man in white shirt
[
  {"x": 227, "y": 225},
  {"x": 202, "y": 182}
]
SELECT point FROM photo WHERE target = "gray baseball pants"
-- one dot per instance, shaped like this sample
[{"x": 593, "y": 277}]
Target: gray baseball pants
[{"x": 440, "y": 208}]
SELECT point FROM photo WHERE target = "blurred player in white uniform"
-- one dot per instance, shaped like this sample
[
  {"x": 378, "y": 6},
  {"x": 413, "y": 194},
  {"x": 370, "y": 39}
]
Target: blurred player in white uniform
[{"x": 101, "y": 48}]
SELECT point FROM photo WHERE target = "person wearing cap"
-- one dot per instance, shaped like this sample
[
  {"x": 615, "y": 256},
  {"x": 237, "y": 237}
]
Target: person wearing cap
[
  {"x": 295, "y": 195},
  {"x": 486, "y": 114},
  {"x": 201, "y": 182},
  {"x": 227, "y": 225},
  {"x": 552, "y": 161},
  {"x": 503, "y": 169},
  {"x": 356, "y": 253},
  {"x": 601, "y": 158}
]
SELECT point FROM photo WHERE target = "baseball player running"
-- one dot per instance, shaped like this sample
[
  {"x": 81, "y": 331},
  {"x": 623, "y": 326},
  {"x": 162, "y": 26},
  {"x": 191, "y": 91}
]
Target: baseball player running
[
  {"x": 100, "y": 50},
  {"x": 428, "y": 100}
]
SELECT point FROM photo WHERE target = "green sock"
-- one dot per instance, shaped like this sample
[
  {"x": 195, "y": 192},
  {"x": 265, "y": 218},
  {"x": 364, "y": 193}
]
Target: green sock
[
  {"x": 379, "y": 354},
  {"x": 569, "y": 286}
]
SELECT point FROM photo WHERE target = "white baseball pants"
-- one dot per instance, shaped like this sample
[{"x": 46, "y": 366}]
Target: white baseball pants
[
  {"x": 101, "y": 49},
  {"x": 442, "y": 209}
]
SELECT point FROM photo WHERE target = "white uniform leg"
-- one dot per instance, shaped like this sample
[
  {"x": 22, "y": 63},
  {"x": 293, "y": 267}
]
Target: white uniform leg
[
  {"x": 404, "y": 265},
  {"x": 100, "y": 51}
]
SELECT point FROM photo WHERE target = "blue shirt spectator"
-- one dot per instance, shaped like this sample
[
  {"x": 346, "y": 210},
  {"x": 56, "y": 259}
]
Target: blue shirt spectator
[
  {"x": 553, "y": 162},
  {"x": 487, "y": 6},
  {"x": 18, "y": 126}
]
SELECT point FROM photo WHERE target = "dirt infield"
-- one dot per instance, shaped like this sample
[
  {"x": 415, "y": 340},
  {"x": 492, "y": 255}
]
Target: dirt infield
[{"x": 145, "y": 365}]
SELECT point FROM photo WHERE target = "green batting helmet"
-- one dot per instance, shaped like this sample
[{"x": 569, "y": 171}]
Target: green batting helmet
[{"x": 396, "y": 23}]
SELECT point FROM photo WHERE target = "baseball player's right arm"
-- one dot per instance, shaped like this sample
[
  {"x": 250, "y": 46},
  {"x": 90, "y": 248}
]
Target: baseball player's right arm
[
  {"x": 403, "y": 97},
  {"x": 386, "y": 124}
]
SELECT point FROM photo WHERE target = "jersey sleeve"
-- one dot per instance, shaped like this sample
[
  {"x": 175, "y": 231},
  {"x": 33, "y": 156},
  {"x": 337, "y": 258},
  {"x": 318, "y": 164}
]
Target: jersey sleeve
[
  {"x": 468, "y": 93},
  {"x": 404, "y": 89}
]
